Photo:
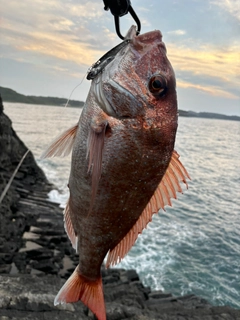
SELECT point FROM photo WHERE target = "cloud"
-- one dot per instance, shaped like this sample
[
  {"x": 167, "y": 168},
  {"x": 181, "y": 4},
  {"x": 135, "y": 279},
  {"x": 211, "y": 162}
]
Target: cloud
[
  {"x": 89, "y": 10},
  {"x": 145, "y": 23},
  {"x": 55, "y": 29},
  {"x": 177, "y": 32},
  {"x": 68, "y": 36},
  {"x": 207, "y": 69},
  {"x": 213, "y": 63},
  {"x": 212, "y": 90},
  {"x": 231, "y": 6},
  {"x": 61, "y": 24}
]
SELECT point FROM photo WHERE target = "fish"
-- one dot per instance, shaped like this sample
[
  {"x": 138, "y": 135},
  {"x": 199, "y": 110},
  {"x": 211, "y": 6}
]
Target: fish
[{"x": 124, "y": 167}]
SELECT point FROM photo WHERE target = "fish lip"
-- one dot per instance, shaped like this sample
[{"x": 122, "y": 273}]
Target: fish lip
[{"x": 149, "y": 36}]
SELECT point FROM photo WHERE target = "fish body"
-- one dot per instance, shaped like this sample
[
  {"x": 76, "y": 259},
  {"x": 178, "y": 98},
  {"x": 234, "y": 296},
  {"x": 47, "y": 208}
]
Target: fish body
[{"x": 124, "y": 167}]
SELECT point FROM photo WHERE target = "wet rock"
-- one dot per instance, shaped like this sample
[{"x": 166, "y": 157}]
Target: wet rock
[
  {"x": 5, "y": 268},
  {"x": 159, "y": 295},
  {"x": 46, "y": 265},
  {"x": 5, "y": 258},
  {"x": 35, "y": 256},
  {"x": 116, "y": 311},
  {"x": 31, "y": 297},
  {"x": 23, "y": 295}
]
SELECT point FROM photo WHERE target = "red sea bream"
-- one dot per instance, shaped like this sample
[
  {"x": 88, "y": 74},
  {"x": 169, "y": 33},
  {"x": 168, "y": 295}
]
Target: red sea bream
[{"x": 124, "y": 167}]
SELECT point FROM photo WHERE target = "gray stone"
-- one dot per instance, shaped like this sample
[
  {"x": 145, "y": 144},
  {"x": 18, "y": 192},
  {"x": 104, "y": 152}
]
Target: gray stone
[
  {"x": 34, "y": 246},
  {"x": 159, "y": 295}
]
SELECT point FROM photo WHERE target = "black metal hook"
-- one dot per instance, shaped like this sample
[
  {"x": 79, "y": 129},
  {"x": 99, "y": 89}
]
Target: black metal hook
[
  {"x": 118, "y": 9},
  {"x": 135, "y": 17}
]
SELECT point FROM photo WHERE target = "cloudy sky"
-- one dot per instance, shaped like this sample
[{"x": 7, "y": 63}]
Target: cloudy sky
[{"x": 47, "y": 46}]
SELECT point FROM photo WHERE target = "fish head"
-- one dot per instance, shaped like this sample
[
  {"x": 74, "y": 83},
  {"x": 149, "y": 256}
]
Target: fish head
[{"x": 140, "y": 81}]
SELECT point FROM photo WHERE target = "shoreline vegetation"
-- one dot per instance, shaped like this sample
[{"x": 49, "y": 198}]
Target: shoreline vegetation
[{"x": 9, "y": 95}]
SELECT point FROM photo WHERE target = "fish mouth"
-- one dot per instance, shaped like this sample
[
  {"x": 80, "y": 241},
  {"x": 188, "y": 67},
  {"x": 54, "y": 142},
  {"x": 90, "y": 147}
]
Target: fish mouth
[
  {"x": 145, "y": 38},
  {"x": 149, "y": 37}
]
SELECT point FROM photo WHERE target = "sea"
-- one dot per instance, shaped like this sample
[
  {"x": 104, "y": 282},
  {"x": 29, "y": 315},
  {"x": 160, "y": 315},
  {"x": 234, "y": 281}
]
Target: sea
[{"x": 192, "y": 247}]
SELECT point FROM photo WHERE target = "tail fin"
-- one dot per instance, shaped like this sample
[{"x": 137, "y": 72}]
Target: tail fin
[{"x": 89, "y": 292}]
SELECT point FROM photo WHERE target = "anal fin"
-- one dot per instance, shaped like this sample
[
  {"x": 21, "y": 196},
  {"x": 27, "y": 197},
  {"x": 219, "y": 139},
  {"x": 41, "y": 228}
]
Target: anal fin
[
  {"x": 62, "y": 145},
  {"x": 89, "y": 292},
  {"x": 167, "y": 188}
]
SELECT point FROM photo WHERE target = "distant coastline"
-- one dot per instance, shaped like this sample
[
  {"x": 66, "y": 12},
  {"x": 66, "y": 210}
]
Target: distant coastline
[{"x": 9, "y": 95}]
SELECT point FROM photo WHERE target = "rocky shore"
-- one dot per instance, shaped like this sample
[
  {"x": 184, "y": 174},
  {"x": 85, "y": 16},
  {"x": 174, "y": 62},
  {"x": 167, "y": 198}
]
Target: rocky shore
[{"x": 36, "y": 256}]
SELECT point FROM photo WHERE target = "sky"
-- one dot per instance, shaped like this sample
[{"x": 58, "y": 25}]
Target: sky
[{"x": 47, "y": 46}]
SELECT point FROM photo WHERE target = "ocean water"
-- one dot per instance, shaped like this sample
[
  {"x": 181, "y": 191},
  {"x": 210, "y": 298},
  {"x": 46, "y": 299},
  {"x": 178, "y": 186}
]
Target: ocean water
[{"x": 193, "y": 247}]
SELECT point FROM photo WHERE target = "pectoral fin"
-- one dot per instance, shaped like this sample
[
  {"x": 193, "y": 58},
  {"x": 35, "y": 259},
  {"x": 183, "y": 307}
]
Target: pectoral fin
[
  {"x": 62, "y": 145},
  {"x": 169, "y": 185},
  {"x": 95, "y": 146}
]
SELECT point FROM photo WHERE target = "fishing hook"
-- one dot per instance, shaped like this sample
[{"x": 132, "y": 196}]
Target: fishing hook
[{"x": 118, "y": 9}]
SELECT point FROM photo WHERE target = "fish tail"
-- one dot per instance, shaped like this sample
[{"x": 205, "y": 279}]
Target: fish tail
[{"x": 89, "y": 292}]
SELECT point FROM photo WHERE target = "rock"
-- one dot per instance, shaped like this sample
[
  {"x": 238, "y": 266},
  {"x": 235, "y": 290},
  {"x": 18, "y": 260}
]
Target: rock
[
  {"x": 35, "y": 256},
  {"x": 129, "y": 275},
  {"x": 25, "y": 295},
  {"x": 31, "y": 297},
  {"x": 116, "y": 311},
  {"x": 5, "y": 268},
  {"x": 159, "y": 295},
  {"x": 16, "y": 215}
]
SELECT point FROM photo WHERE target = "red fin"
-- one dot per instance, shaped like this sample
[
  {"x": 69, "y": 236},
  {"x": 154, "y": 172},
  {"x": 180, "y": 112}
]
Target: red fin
[
  {"x": 69, "y": 227},
  {"x": 95, "y": 146},
  {"x": 178, "y": 168},
  {"x": 89, "y": 292},
  {"x": 166, "y": 190},
  {"x": 62, "y": 145}
]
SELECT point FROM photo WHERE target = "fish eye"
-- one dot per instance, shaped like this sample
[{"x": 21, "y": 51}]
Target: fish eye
[{"x": 157, "y": 85}]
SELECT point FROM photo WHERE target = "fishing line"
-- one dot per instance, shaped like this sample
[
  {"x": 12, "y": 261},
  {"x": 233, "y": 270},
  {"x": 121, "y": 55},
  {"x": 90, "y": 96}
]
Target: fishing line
[
  {"x": 12, "y": 177},
  {"x": 26, "y": 153},
  {"x": 75, "y": 89}
]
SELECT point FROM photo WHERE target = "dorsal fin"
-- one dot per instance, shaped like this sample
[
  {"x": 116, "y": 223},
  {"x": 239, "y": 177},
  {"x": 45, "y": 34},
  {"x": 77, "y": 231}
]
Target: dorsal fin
[
  {"x": 69, "y": 227},
  {"x": 62, "y": 145},
  {"x": 95, "y": 144},
  {"x": 169, "y": 185}
]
